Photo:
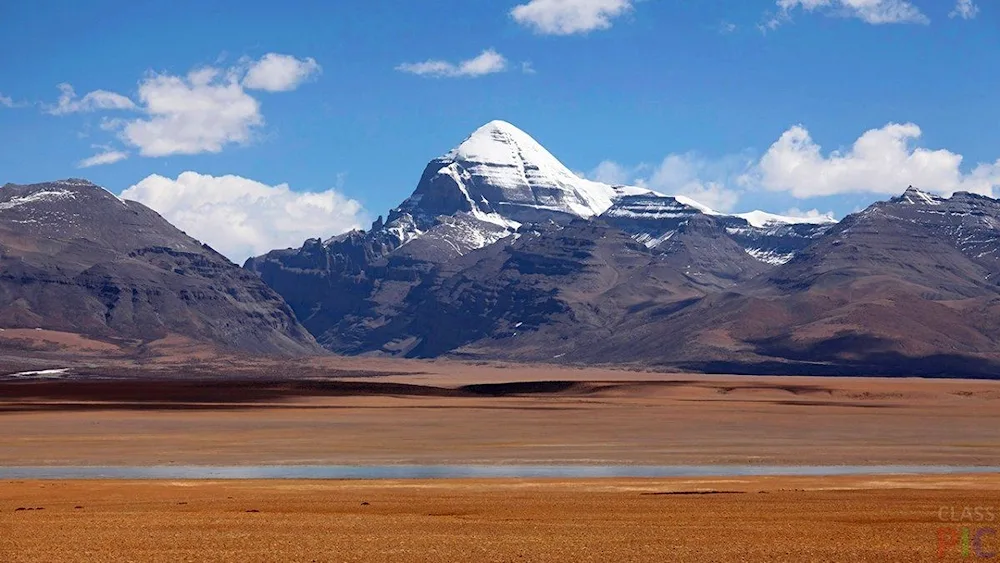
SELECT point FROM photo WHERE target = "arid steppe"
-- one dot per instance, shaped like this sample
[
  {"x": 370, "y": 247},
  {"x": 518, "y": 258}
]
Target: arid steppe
[
  {"x": 374, "y": 412},
  {"x": 361, "y": 411},
  {"x": 614, "y": 520}
]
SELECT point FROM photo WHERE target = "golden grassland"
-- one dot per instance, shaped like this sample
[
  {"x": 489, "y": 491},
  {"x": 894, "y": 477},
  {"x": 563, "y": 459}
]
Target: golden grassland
[{"x": 890, "y": 518}]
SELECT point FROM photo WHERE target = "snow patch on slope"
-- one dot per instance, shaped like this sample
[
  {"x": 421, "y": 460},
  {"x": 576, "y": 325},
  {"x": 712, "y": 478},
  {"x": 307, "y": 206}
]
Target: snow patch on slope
[
  {"x": 692, "y": 203},
  {"x": 913, "y": 196},
  {"x": 769, "y": 256},
  {"x": 37, "y": 197},
  {"x": 763, "y": 219}
]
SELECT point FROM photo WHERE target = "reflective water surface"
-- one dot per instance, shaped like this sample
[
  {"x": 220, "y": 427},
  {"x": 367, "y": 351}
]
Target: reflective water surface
[{"x": 470, "y": 471}]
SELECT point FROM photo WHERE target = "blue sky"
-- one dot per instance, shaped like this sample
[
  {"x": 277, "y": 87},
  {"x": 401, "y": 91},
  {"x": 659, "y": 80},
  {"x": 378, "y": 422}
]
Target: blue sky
[{"x": 685, "y": 97}]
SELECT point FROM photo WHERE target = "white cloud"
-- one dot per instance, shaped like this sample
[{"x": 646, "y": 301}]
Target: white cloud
[
  {"x": 610, "y": 172},
  {"x": 279, "y": 73},
  {"x": 811, "y": 214},
  {"x": 201, "y": 112},
  {"x": 488, "y": 62},
  {"x": 711, "y": 182},
  {"x": 881, "y": 161},
  {"x": 6, "y": 101},
  {"x": 106, "y": 156},
  {"x": 726, "y": 28},
  {"x": 965, "y": 9},
  {"x": 694, "y": 176},
  {"x": 93, "y": 101},
  {"x": 240, "y": 217},
  {"x": 568, "y": 17},
  {"x": 876, "y": 12}
]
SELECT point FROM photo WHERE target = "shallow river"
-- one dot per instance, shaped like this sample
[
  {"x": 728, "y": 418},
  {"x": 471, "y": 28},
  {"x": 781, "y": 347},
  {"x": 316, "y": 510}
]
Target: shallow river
[{"x": 471, "y": 471}]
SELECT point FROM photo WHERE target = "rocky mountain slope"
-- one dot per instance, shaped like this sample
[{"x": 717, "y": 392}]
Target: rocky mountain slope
[
  {"x": 907, "y": 286},
  {"x": 502, "y": 252},
  {"x": 75, "y": 258},
  {"x": 499, "y": 231}
]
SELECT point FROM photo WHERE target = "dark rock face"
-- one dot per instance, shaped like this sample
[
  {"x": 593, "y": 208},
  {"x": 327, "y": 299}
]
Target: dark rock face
[
  {"x": 904, "y": 287},
  {"x": 75, "y": 258},
  {"x": 654, "y": 219},
  {"x": 501, "y": 253},
  {"x": 484, "y": 238},
  {"x": 346, "y": 290},
  {"x": 774, "y": 244}
]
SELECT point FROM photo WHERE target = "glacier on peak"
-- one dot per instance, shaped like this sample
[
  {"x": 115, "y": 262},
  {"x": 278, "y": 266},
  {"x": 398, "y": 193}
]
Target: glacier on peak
[
  {"x": 499, "y": 178},
  {"x": 502, "y": 173}
]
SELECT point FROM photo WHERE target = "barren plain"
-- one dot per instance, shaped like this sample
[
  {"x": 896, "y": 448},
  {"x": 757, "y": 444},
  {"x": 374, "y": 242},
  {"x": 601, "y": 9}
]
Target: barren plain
[
  {"x": 378, "y": 412},
  {"x": 613, "y": 520}
]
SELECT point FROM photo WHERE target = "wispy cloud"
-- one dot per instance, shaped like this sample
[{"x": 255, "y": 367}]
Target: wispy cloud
[
  {"x": 488, "y": 62},
  {"x": 711, "y": 181},
  {"x": 965, "y": 9},
  {"x": 107, "y": 156},
  {"x": 875, "y": 12},
  {"x": 92, "y": 101}
]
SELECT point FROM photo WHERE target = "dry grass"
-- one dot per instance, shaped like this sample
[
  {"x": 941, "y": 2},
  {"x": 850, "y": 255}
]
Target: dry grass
[{"x": 606, "y": 521}]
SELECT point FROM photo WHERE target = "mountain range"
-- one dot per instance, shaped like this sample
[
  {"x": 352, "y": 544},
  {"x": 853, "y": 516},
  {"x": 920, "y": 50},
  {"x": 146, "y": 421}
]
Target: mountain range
[{"x": 501, "y": 252}]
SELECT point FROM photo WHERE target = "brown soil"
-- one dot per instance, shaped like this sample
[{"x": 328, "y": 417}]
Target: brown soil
[
  {"x": 339, "y": 411},
  {"x": 607, "y": 521}
]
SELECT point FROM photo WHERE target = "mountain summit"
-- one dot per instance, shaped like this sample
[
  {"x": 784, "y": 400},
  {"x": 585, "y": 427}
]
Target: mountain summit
[
  {"x": 500, "y": 172},
  {"x": 502, "y": 210}
]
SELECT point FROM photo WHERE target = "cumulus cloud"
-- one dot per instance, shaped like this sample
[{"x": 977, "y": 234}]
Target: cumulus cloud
[
  {"x": 876, "y": 12},
  {"x": 201, "y": 112},
  {"x": 488, "y": 62},
  {"x": 106, "y": 156},
  {"x": 279, "y": 73},
  {"x": 92, "y": 101},
  {"x": 569, "y": 17},
  {"x": 881, "y": 161},
  {"x": 965, "y": 9},
  {"x": 240, "y": 217}
]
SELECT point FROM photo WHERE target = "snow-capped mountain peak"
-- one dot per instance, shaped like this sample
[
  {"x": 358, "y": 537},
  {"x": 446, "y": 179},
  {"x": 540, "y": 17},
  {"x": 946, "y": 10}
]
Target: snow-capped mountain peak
[
  {"x": 914, "y": 196},
  {"x": 500, "y": 170}
]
